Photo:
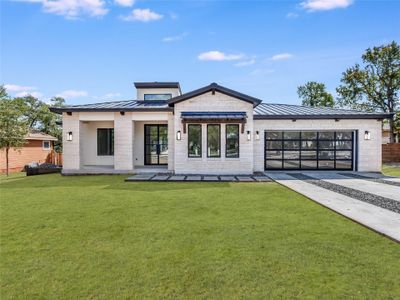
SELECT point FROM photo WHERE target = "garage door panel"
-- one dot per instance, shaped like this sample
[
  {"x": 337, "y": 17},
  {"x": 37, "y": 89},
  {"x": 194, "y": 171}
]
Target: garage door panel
[{"x": 309, "y": 150}]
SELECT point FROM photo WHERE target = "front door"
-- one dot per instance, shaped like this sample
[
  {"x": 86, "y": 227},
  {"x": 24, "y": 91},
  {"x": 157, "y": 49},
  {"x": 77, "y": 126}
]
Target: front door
[{"x": 155, "y": 144}]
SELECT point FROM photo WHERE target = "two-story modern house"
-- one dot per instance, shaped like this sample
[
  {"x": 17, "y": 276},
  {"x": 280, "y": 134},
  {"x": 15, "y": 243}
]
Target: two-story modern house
[{"x": 215, "y": 130}]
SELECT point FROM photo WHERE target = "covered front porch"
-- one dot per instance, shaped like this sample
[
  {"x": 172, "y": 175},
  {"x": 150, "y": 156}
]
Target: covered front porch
[{"x": 115, "y": 143}]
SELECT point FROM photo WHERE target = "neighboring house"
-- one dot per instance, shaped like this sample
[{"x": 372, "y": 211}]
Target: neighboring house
[
  {"x": 215, "y": 130},
  {"x": 386, "y": 134},
  {"x": 38, "y": 148}
]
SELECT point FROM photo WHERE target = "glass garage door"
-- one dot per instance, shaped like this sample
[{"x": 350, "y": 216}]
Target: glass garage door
[{"x": 309, "y": 150}]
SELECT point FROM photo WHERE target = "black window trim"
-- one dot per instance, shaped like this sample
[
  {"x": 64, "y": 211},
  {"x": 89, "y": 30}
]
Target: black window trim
[
  {"x": 226, "y": 140},
  {"x": 112, "y": 146},
  {"x": 219, "y": 129},
  {"x": 201, "y": 140}
]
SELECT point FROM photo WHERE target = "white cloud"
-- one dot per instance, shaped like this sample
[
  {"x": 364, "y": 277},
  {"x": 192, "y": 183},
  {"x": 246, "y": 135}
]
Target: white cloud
[
  {"x": 245, "y": 63},
  {"x": 175, "y": 38},
  {"x": 72, "y": 9},
  {"x": 111, "y": 95},
  {"x": 142, "y": 15},
  {"x": 291, "y": 15},
  {"x": 318, "y": 5},
  {"x": 18, "y": 88},
  {"x": 72, "y": 94},
  {"x": 127, "y": 3},
  {"x": 219, "y": 56},
  {"x": 27, "y": 93},
  {"x": 282, "y": 56}
]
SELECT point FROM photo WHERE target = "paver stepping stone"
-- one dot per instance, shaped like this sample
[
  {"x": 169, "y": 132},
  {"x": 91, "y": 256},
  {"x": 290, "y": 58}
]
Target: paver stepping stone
[
  {"x": 193, "y": 178},
  {"x": 177, "y": 178},
  {"x": 210, "y": 178},
  {"x": 140, "y": 177},
  {"x": 160, "y": 178},
  {"x": 244, "y": 178},
  {"x": 262, "y": 178},
  {"x": 228, "y": 178}
]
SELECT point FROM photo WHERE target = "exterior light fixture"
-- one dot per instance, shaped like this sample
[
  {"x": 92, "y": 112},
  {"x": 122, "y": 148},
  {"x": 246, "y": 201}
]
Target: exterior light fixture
[
  {"x": 257, "y": 135},
  {"x": 367, "y": 135},
  {"x": 248, "y": 135},
  {"x": 178, "y": 135},
  {"x": 69, "y": 136}
]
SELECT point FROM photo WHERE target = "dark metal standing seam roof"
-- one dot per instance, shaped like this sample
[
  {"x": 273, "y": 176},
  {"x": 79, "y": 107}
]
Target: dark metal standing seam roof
[
  {"x": 213, "y": 115},
  {"x": 287, "y": 111},
  {"x": 214, "y": 87},
  {"x": 128, "y": 105}
]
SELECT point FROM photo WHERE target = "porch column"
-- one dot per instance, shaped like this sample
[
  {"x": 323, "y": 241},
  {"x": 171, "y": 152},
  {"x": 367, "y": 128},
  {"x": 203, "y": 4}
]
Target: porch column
[
  {"x": 123, "y": 141},
  {"x": 71, "y": 148}
]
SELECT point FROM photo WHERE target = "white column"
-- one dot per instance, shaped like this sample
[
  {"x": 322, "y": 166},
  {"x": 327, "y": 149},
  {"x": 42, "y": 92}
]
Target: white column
[
  {"x": 71, "y": 149},
  {"x": 171, "y": 142},
  {"x": 123, "y": 141}
]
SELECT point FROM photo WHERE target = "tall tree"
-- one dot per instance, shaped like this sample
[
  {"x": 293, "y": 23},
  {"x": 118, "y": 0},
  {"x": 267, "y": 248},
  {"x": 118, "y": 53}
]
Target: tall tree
[
  {"x": 376, "y": 84},
  {"x": 38, "y": 116},
  {"x": 13, "y": 127},
  {"x": 314, "y": 94}
]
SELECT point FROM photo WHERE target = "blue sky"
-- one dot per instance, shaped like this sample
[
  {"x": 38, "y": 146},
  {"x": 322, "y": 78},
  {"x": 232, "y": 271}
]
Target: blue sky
[{"x": 93, "y": 50}]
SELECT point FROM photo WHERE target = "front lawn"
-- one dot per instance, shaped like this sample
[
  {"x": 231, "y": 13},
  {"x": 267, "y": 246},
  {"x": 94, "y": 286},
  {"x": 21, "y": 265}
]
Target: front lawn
[
  {"x": 391, "y": 170},
  {"x": 97, "y": 237}
]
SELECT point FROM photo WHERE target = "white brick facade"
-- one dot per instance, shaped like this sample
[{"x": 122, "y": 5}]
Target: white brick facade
[
  {"x": 221, "y": 165},
  {"x": 81, "y": 152}
]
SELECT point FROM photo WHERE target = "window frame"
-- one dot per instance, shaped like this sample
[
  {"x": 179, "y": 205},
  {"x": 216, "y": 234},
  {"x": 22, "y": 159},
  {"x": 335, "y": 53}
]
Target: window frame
[
  {"x": 219, "y": 140},
  {"x": 201, "y": 140},
  {"x": 111, "y": 148},
  {"x": 238, "y": 140},
  {"x": 46, "y": 148},
  {"x": 165, "y": 94}
]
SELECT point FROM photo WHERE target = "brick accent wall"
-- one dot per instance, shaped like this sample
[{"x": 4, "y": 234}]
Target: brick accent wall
[
  {"x": 31, "y": 152},
  {"x": 391, "y": 152}
]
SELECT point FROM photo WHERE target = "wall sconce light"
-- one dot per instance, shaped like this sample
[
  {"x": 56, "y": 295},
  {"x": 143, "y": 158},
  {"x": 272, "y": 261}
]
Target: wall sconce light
[
  {"x": 122, "y": 113},
  {"x": 248, "y": 135},
  {"x": 257, "y": 135},
  {"x": 178, "y": 135},
  {"x": 367, "y": 135},
  {"x": 69, "y": 136}
]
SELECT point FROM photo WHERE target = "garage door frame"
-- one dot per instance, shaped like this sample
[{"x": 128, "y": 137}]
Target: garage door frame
[{"x": 354, "y": 151}]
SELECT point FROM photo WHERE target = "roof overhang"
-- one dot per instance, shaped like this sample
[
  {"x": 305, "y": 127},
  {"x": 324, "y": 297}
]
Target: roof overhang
[
  {"x": 157, "y": 85},
  {"x": 323, "y": 117},
  {"x": 213, "y": 87},
  {"x": 60, "y": 110},
  {"x": 213, "y": 117}
]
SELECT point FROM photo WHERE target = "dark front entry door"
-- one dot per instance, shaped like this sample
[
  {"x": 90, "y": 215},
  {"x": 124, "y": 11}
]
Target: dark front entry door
[{"x": 155, "y": 144}]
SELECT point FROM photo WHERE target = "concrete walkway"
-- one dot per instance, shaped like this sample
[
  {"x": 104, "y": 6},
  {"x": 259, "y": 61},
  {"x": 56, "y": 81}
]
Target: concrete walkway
[
  {"x": 374, "y": 204},
  {"x": 194, "y": 178}
]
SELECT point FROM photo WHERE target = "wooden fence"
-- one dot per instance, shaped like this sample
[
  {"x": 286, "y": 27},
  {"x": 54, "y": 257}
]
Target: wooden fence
[{"x": 391, "y": 153}]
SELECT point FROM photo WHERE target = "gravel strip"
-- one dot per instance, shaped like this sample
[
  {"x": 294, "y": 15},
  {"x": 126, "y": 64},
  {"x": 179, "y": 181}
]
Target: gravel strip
[
  {"x": 383, "y": 202},
  {"x": 378, "y": 180}
]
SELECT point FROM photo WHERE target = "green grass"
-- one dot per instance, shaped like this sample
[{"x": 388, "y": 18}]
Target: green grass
[
  {"x": 97, "y": 237},
  {"x": 391, "y": 170}
]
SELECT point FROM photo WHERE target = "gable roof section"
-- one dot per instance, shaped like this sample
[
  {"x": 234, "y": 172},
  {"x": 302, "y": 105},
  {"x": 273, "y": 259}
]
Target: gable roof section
[
  {"x": 128, "y": 105},
  {"x": 214, "y": 87},
  {"x": 287, "y": 111}
]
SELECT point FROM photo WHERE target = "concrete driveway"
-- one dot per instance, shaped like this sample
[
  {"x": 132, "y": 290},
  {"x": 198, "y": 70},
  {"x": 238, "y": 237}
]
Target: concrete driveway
[{"x": 370, "y": 199}]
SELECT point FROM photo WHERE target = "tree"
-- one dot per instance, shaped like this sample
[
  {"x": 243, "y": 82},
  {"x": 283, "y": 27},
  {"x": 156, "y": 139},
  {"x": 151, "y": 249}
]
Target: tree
[
  {"x": 38, "y": 116},
  {"x": 13, "y": 128},
  {"x": 376, "y": 84},
  {"x": 314, "y": 94}
]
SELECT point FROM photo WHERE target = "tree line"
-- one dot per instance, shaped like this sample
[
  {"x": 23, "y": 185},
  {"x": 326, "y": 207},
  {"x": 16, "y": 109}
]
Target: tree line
[
  {"x": 19, "y": 115},
  {"x": 372, "y": 86}
]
